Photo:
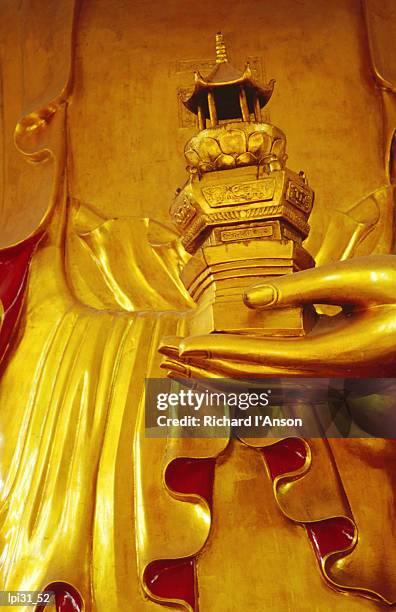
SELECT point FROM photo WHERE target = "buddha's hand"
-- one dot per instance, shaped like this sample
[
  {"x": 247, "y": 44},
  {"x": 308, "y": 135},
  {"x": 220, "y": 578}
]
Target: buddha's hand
[{"x": 360, "y": 341}]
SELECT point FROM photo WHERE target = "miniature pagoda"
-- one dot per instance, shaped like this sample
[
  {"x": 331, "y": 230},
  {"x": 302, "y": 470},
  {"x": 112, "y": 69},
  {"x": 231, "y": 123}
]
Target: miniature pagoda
[{"x": 242, "y": 214}]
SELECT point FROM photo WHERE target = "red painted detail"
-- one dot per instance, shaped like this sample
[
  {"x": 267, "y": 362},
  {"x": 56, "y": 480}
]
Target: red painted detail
[
  {"x": 285, "y": 456},
  {"x": 67, "y": 598},
  {"x": 327, "y": 536},
  {"x": 14, "y": 268},
  {"x": 191, "y": 476},
  {"x": 331, "y": 535},
  {"x": 172, "y": 579}
]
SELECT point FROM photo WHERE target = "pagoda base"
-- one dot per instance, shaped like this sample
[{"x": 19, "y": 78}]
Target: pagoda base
[{"x": 217, "y": 277}]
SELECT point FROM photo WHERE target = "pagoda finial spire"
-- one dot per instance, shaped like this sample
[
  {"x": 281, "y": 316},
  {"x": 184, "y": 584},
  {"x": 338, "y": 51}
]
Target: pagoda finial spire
[{"x": 221, "y": 51}]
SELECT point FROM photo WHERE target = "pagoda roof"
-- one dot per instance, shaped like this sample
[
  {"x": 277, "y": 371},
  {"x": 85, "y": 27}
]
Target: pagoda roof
[{"x": 226, "y": 77}]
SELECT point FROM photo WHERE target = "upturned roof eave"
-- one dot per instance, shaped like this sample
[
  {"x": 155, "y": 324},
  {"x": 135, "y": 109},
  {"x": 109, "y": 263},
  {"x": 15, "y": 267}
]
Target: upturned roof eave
[{"x": 264, "y": 93}]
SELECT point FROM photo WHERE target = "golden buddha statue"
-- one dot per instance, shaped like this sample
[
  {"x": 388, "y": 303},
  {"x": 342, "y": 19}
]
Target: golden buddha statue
[{"x": 94, "y": 281}]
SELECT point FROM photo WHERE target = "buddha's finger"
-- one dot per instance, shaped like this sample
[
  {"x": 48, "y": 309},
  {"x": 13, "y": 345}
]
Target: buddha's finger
[
  {"x": 364, "y": 342},
  {"x": 242, "y": 372},
  {"x": 360, "y": 282},
  {"x": 187, "y": 370},
  {"x": 169, "y": 346}
]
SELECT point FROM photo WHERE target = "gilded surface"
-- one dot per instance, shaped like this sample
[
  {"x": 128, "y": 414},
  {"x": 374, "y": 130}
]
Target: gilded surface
[{"x": 82, "y": 493}]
